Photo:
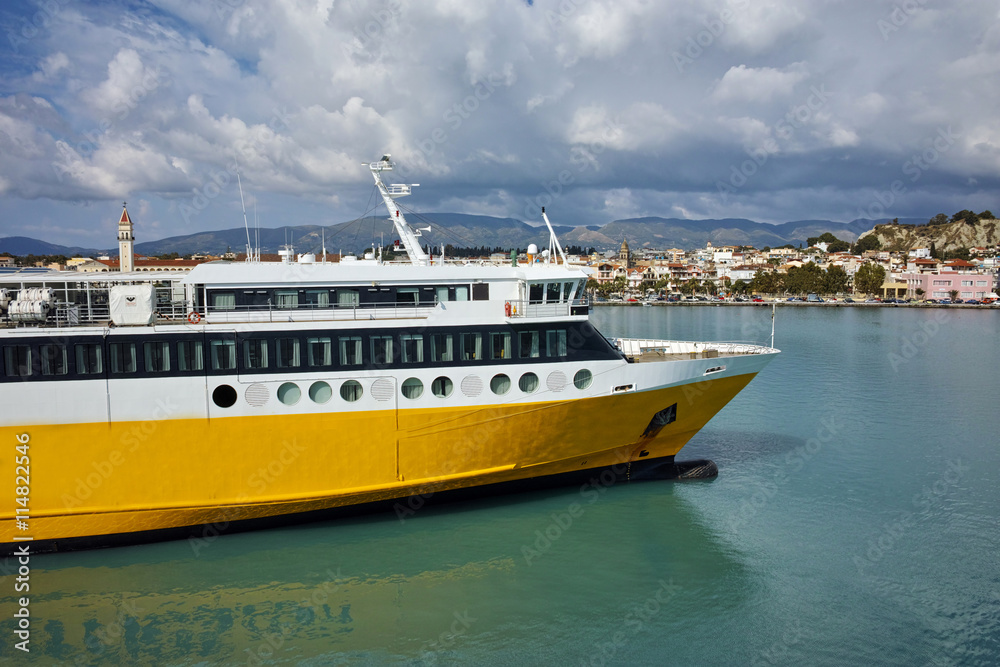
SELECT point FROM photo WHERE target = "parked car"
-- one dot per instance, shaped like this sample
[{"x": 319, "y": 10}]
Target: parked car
[
  {"x": 974, "y": 302},
  {"x": 757, "y": 299},
  {"x": 848, "y": 300},
  {"x": 945, "y": 302}
]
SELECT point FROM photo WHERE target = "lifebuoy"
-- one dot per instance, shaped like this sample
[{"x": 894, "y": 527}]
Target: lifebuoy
[
  {"x": 194, "y": 317},
  {"x": 506, "y": 309}
]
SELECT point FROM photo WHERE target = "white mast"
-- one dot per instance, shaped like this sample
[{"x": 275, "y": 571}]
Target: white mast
[
  {"x": 408, "y": 237},
  {"x": 553, "y": 239}
]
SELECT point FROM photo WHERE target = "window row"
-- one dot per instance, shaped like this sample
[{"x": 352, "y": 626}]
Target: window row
[
  {"x": 259, "y": 354},
  {"x": 320, "y": 392},
  {"x": 342, "y": 297}
]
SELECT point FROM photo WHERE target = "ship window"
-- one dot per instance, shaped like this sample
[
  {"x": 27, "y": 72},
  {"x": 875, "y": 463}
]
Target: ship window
[
  {"x": 17, "y": 360},
  {"x": 552, "y": 292},
  {"x": 442, "y": 387},
  {"x": 156, "y": 356},
  {"x": 568, "y": 290},
  {"x": 472, "y": 346},
  {"x": 289, "y": 393},
  {"x": 320, "y": 351},
  {"x": 286, "y": 298},
  {"x": 348, "y": 297},
  {"x": 88, "y": 359},
  {"x": 528, "y": 342},
  {"x": 189, "y": 355},
  {"x": 480, "y": 291},
  {"x": 122, "y": 357},
  {"x": 555, "y": 343},
  {"x": 412, "y": 388},
  {"x": 317, "y": 298},
  {"x": 288, "y": 353},
  {"x": 223, "y": 355},
  {"x": 583, "y": 378},
  {"x": 500, "y": 346},
  {"x": 224, "y": 396},
  {"x": 535, "y": 292},
  {"x": 528, "y": 383},
  {"x": 223, "y": 300},
  {"x": 441, "y": 294},
  {"x": 462, "y": 293},
  {"x": 351, "y": 391},
  {"x": 255, "y": 353},
  {"x": 320, "y": 392},
  {"x": 53, "y": 359},
  {"x": 442, "y": 347},
  {"x": 500, "y": 384},
  {"x": 350, "y": 350},
  {"x": 382, "y": 352},
  {"x": 407, "y": 296},
  {"x": 413, "y": 348}
]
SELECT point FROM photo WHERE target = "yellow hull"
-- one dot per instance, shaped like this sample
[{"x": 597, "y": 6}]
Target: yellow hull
[{"x": 90, "y": 480}]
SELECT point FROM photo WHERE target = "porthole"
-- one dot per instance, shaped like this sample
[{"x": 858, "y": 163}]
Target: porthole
[
  {"x": 412, "y": 388},
  {"x": 442, "y": 387},
  {"x": 528, "y": 383},
  {"x": 583, "y": 378},
  {"x": 351, "y": 391},
  {"x": 320, "y": 392},
  {"x": 500, "y": 384},
  {"x": 289, "y": 393},
  {"x": 224, "y": 396}
]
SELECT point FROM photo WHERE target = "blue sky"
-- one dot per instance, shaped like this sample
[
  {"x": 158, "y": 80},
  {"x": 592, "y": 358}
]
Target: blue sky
[{"x": 598, "y": 109}]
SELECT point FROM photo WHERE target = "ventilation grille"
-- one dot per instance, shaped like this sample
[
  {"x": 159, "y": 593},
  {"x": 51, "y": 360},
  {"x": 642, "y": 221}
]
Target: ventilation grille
[
  {"x": 556, "y": 381},
  {"x": 472, "y": 385},
  {"x": 257, "y": 394},
  {"x": 383, "y": 389}
]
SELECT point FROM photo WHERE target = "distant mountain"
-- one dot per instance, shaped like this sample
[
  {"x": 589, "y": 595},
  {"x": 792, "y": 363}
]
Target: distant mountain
[
  {"x": 23, "y": 245},
  {"x": 463, "y": 230}
]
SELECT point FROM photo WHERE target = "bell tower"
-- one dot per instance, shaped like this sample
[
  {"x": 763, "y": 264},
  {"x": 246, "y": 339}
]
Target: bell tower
[{"x": 125, "y": 239}]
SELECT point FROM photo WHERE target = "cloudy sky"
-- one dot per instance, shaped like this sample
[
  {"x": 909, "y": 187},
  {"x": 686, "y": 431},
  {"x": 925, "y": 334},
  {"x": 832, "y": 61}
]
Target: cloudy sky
[{"x": 773, "y": 110}]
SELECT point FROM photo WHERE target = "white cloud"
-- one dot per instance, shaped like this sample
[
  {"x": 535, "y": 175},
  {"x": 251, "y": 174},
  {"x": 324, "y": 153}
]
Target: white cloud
[{"x": 742, "y": 83}]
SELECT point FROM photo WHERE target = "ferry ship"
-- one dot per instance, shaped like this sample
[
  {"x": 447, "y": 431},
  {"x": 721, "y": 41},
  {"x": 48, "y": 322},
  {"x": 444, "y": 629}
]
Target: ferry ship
[{"x": 246, "y": 394}]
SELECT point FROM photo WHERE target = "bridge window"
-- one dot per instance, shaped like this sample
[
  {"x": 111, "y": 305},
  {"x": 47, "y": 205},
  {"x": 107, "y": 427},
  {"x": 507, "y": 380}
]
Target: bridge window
[
  {"x": 535, "y": 292},
  {"x": 552, "y": 292}
]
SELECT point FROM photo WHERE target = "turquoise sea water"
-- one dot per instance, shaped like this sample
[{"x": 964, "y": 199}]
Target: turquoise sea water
[{"x": 854, "y": 521}]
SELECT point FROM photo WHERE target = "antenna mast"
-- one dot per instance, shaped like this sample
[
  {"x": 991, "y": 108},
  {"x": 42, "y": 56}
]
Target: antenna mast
[
  {"x": 407, "y": 235},
  {"x": 553, "y": 240}
]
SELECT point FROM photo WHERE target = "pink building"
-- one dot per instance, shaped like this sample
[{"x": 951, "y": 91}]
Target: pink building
[{"x": 940, "y": 285}]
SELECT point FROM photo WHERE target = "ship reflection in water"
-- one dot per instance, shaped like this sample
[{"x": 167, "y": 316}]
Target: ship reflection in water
[{"x": 492, "y": 577}]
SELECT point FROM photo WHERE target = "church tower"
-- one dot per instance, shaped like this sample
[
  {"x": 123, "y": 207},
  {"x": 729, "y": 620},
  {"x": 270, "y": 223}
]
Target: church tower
[
  {"x": 624, "y": 255},
  {"x": 125, "y": 238}
]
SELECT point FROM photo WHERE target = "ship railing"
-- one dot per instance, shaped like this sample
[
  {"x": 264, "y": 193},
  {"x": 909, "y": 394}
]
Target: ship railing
[
  {"x": 319, "y": 314},
  {"x": 529, "y": 309},
  {"x": 636, "y": 348}
]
